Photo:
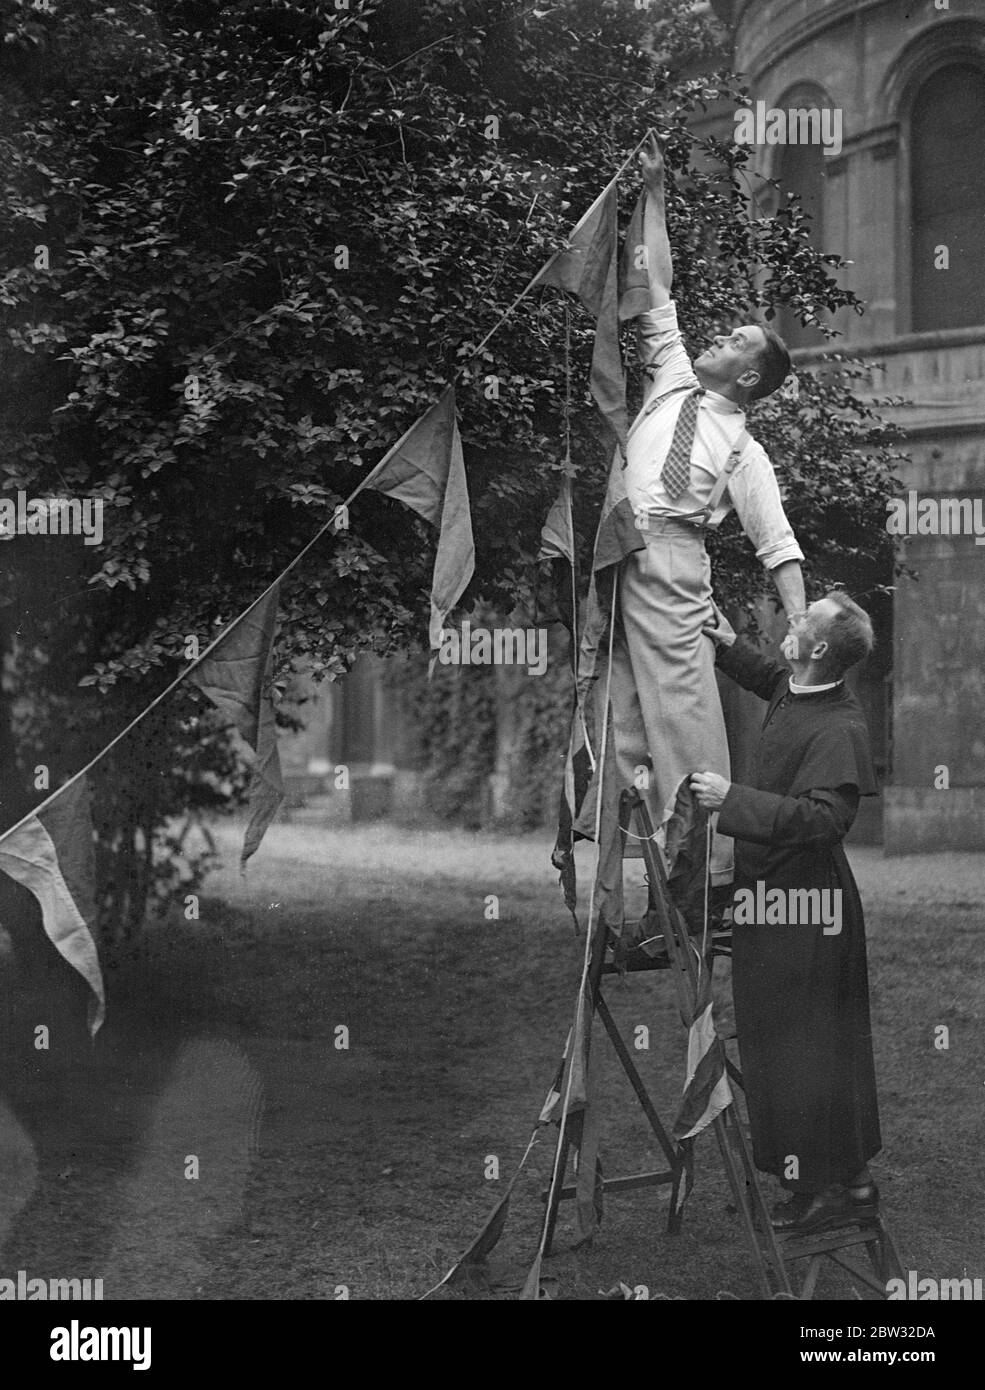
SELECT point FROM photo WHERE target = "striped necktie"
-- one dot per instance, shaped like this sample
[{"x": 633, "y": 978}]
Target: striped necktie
[{"x": 676, "y": 474}]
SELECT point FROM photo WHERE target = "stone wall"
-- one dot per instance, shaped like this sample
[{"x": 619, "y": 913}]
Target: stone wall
[{"x": 869, "y": 58}]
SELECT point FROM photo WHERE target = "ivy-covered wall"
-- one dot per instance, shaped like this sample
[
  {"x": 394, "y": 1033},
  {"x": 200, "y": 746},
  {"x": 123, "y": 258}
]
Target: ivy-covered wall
[{"x": 488, "y": 742}]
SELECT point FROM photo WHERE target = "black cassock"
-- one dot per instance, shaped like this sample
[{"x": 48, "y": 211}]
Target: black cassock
[{"x": 801, "y": 996}]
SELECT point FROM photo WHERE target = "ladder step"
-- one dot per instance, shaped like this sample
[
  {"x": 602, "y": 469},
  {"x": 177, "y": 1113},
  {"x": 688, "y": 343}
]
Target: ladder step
[
  {"x": 864, "y": 1276},
  {"x": 627, "y": 1184},
  {"x": 797, "y": 1247}
]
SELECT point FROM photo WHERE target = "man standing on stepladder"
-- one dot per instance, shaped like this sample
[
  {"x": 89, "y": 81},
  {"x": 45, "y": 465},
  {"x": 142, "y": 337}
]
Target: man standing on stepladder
[{"x": 689, "y": 461}]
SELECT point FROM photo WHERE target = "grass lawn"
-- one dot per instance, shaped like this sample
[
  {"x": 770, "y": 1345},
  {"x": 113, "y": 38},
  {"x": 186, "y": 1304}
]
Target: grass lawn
[{"x": 321, "y": 1167}]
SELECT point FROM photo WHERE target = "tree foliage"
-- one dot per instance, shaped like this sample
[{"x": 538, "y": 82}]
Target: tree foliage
[{"x": 274, "y": 231}]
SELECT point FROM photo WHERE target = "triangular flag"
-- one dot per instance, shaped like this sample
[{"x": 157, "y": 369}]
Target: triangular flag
[
  {"x": 609, "y": 875},
  {"x": 426, "y": 469},
  {"x": 684, "y": 836},
  {"x": 52, "y": 855},
  {"x": 706, "y": 1088},
  {"x": 587, "y": 268},
  {"x": 578, "y": 770},
  {"x": 571, "y": 1104},
  {"x": 618, "y": 534},
  {"x": 634, "y": 279},
  {"x": 557, "y": 539},
  {"x": 495, "y": 1223},
  {"x": 234, "y": 676},
  {"x": 617, "y": 537}
]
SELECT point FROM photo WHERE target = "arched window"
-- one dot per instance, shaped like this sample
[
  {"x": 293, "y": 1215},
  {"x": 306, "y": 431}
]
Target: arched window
[
  {"x": 947, "y": 161},
  {"x": 800, "y": 169}
]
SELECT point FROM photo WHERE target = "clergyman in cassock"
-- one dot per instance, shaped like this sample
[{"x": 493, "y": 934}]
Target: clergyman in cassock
[
  {"x": 799, "y": 971},
  {"x": 689, "y": 461}
]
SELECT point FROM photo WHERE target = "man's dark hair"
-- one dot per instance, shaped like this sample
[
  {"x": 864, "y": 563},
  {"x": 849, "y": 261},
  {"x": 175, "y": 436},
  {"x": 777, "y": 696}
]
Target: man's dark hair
[
  {"x": 772, "y": 364},
  {"x": 848, "y": 635}
]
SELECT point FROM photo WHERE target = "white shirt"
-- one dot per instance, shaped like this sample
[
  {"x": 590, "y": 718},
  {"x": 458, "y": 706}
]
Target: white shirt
[{"x": 752, "y": 490}]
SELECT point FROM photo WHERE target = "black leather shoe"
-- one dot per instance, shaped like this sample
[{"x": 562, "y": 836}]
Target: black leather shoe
[
  {"x": 863, "y": 1201},
  {"x": 786, "y": 1215},
  {"x": 825, "y": 1210}
]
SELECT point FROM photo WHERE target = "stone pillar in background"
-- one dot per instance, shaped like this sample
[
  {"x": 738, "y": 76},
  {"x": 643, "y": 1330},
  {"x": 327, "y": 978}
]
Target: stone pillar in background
[
  {"x": 509, "y": 681},
  {"x": 937, "y": 799},
  {"x": 370, "y": 774},
  {"x": 338, "y": 767},
  {"x": 305, "y": 755},
  {"x": 401, "y": 738}
]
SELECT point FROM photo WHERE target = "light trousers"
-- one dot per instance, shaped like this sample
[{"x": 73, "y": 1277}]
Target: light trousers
[{"x": 664, "y": 695}]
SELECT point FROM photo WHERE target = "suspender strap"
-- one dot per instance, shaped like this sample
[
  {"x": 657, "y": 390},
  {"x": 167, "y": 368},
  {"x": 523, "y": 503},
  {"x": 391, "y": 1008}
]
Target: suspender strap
[
  {"x": 722, "y": 481},
  {"x": 699, "y": 519}
]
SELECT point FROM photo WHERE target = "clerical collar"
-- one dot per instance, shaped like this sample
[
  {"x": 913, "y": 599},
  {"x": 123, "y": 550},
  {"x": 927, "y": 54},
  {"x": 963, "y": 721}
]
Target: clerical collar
[
  {"x": 721, "y": 403},
  {"x": 796, "y": 689}
]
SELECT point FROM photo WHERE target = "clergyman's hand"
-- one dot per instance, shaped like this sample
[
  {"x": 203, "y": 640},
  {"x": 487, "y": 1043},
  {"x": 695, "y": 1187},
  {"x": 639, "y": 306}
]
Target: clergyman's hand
[
  {"x": 718, "y": 627},
  {"x": 652, "y": 165},
  {"x": 710, "y": 789}
]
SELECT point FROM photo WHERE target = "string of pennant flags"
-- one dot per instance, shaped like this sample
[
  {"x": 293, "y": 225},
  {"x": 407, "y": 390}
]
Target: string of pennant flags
[{"x": 50, "y": 850}]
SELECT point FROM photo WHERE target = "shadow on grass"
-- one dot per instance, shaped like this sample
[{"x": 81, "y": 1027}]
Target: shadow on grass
[{"x": 353, "y": 1163}]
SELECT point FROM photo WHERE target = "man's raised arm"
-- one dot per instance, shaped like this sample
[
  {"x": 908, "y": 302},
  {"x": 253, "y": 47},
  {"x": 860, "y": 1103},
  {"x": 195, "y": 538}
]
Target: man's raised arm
[{"x": 660, "y": 267}]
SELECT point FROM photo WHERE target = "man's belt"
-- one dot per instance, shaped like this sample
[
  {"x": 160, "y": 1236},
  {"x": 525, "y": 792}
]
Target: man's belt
[{"x": 688, "y": 521}]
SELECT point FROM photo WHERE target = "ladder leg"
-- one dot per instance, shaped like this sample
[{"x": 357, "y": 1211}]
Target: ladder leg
[
  {"x": 636, "y": 1081},
  {"x": 683, "y": 1172},
  {"x": 550, "y": 1216},
  {"x": 681, "y": 1162},
  {"x": 769, "y": 1262},
  {"x": 574, "y": 1123},
  {"x": 810, "y": 1278},
  {"x": 772, "y": 1271},
  {"x": 884, "y": 1256},
  {"x": 761, "y": 1218}
]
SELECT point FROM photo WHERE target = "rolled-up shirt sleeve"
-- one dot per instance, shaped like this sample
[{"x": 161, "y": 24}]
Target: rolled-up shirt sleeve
[
  {"x": 662, "y": 353},
  {"x": 755, "y": 494}
]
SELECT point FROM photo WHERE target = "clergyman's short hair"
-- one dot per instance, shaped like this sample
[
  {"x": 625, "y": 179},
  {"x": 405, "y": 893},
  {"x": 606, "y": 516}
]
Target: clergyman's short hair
[
  {"x": 772, "y": 364},
  {"x": 848, "y": 634}
]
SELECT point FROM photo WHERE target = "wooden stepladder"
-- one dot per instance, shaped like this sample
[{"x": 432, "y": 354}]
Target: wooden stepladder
[
  {"x": 772, "y": 1254},
  {"x": 679, "y": 1173},
  {"x": 832, "y": 1245}
]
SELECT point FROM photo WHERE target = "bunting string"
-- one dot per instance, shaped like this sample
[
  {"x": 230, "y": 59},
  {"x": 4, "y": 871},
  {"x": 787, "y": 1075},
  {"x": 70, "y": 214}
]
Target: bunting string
[
  {"x": 328, "y": 525},
  {"x": 203, "y": 655},
  {"x": 559, "y": 252},
  {"x": 567, "y": 473},
  {"x": 580, "y": 1010}
]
